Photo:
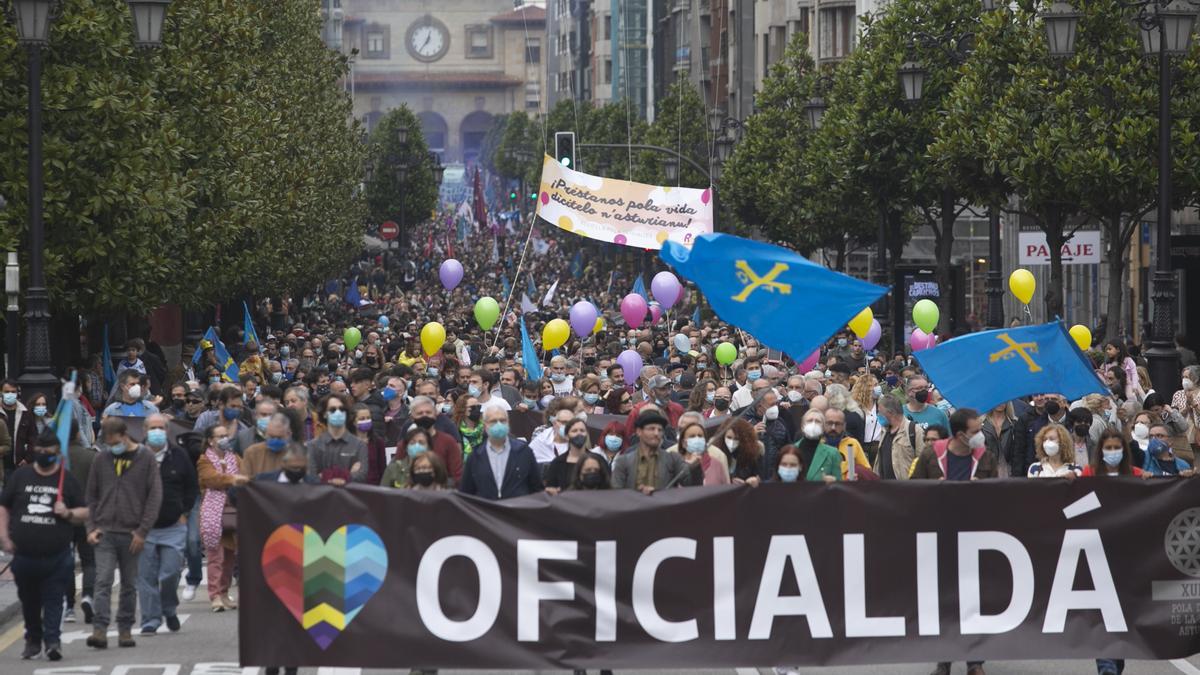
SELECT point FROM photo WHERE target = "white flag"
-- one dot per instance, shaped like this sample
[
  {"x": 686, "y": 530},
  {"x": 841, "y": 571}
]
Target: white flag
[
  {"x": 527, "y": 305},
  {"x": 550, "y": 294}
]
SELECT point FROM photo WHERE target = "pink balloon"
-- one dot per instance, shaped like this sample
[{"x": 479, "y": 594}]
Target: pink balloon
[
  {"x": 633, "y": 308},
  {"x": 666, "y": 289},
  {"x": 919, "y": 340},
  {"x": 655, "y": 313},
  {"x": 630, "y": 362},
  {"x": 811, "y": 362},
  {"x": 873, "y": 334}
]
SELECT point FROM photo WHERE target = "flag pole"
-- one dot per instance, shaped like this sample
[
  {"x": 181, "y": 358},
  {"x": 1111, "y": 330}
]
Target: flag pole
[{"x": 516, "y": 278}]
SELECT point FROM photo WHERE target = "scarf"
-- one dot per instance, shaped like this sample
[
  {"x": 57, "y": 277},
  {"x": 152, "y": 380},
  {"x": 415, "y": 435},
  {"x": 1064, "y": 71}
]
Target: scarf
[
  {"x": 214, "y": 501},
  {"x": 472, "y": 438}
]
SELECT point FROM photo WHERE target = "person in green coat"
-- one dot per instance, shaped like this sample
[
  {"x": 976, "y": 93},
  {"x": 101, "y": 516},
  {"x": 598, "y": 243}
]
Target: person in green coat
[
  {"x": 823, "y": 461},
  {"x": 396, "y": 475}
]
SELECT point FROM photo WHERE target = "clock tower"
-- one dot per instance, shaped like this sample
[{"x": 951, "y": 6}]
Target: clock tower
[{"x": 456, "y": 65}]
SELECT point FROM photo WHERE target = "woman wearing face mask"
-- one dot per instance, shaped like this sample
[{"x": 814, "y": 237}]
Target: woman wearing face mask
[
  {"x": 820, "y": 459},
  {"x": 736, "y": 438},
  {"x": 364, "y": 431},
  {"x": 427, "y": 473},
  {"x": 41, "y": 412},
  {"x": 1137, "y": 435},
  {"x": 865, "y": 392},
  {"x": 590, "y": 394},
  {"x": 770, "y": 429},
  {"x": 998, "y": 435},
  {"x": 219, "y": 469},
  {"x": 591, "y": 473},
  {"x": 1056, "y": 454},
  {"x": 416, "y": 443},
  {"x": 560, "y": 470},
  {"x": 704, "y": 394},
  {"x": 612, "y": 443},
  {"x": 791, "y": 467},
  {"x": 712, "y": 461},
  {"x": 467, "y": 415},
  {"x": 1112, "y": 459},
  {"x": 619, "y": 402}
]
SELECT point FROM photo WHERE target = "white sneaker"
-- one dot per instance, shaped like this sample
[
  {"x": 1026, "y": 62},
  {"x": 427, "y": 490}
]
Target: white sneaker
[{"x": 189, "y": 593}]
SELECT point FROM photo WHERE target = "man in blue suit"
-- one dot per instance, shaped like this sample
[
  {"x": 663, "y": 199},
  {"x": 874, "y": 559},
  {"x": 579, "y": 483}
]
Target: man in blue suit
[{"x": 504, "y": 467}]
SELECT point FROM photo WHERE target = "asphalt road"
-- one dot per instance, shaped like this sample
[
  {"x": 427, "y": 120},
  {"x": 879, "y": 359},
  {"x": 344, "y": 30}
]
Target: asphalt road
[{"x": 207, "y": 645}]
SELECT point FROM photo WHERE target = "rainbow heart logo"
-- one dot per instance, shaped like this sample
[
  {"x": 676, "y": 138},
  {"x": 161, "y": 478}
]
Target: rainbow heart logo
[{"x": 324, "y": 583}]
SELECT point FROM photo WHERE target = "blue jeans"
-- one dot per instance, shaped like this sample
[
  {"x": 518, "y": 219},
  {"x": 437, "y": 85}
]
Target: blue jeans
[
  {"x": 41, "y": 586},
  {"x": 158, "y": 573},
  {"x": 195, "y": 562},
  {"x": 1110, "y": 666}
]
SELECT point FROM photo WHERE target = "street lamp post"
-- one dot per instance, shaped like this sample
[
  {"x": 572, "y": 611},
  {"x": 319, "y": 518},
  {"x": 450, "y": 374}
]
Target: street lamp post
[
  {"x": 1166, "y": 28},
  {"x": 32, "y": 19}
]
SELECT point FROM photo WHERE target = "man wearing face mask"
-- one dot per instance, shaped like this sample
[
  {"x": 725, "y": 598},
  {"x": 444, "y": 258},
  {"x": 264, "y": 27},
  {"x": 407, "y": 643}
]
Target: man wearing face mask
[
  {"x": 744, "y": 395},
  {"x": 763, "y": 413},
  {"x": 21, "y": 425},
  {"x": 38, "y": 506},
  {"x": 130, "y": 403},
  {"x": 228, "y": 411},
  {"x": 900, "y": 445},
  {"x": 267, "y": 455},
  {"x": 848, "y": 446},
  {"x": 337, "y": 447},
  {"x": 482, "y": 386},
  {"x": 918, "y": 409},
  {"x": 161, "y": 561},
  {"x": 257, "y": 433},
  {"x": 564, "y": 384},
  {"x": 444, "y": 444},
  {"x": 504, "y": 467},
  {"x": 507, "y": 391},
  {"x": 658, "y": 390},
  {"x": 124, "y": 493}
]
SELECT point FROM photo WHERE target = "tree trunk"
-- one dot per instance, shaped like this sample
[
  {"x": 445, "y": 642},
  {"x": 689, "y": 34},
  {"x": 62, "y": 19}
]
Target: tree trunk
[
  {"x": 1117, "y": 246},
  {"x": 1053, "y": 226},
  {"x": 841, "y": 255},
  {"x": 944, "y": 246}
]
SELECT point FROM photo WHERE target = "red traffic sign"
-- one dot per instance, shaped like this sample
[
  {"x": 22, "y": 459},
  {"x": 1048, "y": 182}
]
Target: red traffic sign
[{"x": 389, "y": 231}]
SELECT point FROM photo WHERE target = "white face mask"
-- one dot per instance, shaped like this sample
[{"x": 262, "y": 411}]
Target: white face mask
[
  {"x": 794, "y": 396},
  {"x": 977, "y": 441},
  {"x": 813, "y": 430},
  {"x": 731, "y": 443},
  {"x": 1140, "y": 431},
  {"x": 1188, "y": 384},
  {"x": 771, "y": 413},
  {"x": 135, "y": 391},
  {"x": 1050, "y": 448}
]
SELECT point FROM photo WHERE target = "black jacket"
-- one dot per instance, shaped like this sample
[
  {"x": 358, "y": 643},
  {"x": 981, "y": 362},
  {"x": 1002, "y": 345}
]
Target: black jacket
[
  {"x": 522, "y": 475},
  {"x": 179, "y": 487}
]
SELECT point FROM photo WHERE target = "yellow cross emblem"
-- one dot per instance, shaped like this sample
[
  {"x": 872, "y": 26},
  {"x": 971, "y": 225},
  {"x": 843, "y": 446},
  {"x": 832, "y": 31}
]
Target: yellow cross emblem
[
  {"x": 1016, "y": 349},
  {"x": 748, "y": 276}
]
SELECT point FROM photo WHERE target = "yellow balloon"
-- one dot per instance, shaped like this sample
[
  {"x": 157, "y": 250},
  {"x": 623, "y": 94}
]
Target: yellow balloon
[
  {"x": 555, "y": 334},
  {"x": 1022, "y": 285},
  {"x": 433, "y": 336},
  {"x": 599, "y": 325},
  {"x": 861, "y": 323},
  {"x": 1082, "y": 336}
]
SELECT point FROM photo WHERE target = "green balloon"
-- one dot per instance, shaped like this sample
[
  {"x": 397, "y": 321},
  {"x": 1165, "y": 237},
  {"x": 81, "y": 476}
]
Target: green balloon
[
  {"x": 726, "y": 353},
  {"x": 487, "y": 310},
  {"x": 926, "y": 315},
  {"x": 352, "y": 336}
]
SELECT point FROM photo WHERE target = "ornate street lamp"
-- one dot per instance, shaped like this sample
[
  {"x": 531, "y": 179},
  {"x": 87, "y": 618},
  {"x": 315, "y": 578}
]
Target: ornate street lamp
[
  {"x": 814, "y": 110},
  {"x": 1167, "y": 29},
  {"x": 912, "y": 80},
  {"x": 435, "y": 165},
  {"x": 671, "y": 168},
  {"x": 1061, "y": 23},
  {"x": 148, "y": 18},
  {"x": 990, "y": 5},
  {"x": 724, "y": 147},
  {"x": 32, "y": 19},
  {"x": 402, "y": 134}
]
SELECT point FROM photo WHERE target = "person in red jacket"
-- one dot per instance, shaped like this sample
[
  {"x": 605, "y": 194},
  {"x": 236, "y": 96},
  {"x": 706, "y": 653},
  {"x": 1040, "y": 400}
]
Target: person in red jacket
[
  {"x": 445, "y": 447},
  {"x": 660, "y": 396}
]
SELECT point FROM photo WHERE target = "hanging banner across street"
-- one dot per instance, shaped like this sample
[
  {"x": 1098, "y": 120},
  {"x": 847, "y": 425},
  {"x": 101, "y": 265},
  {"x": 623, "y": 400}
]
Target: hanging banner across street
[
  {"x": 800, "y": 574},
  {"x": 622, "y": 212}
]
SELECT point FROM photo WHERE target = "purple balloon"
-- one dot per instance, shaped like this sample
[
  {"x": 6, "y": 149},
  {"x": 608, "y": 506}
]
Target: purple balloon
[
  {"x": 583, "y": 318},
  {"x": 630, "y": 362},
  {"x": 873, "y": 334},
  {"x": 451, "y": 273},
  {"x": 633, "y": 308},
  {"x": 666, "y": 289}
]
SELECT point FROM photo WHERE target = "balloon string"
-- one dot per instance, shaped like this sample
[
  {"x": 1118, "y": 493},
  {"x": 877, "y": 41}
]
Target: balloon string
[{"x": 516, "y": 279}]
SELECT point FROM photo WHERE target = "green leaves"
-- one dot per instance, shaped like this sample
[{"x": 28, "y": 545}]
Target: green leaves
[{"x": 402, "y": 185}]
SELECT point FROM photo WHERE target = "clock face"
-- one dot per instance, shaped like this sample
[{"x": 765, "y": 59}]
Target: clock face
[{"x": 428, "y": 40}]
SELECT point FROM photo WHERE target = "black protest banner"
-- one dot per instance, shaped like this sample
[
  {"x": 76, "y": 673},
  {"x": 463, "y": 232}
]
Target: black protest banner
[{"x": 801, "y": 574}]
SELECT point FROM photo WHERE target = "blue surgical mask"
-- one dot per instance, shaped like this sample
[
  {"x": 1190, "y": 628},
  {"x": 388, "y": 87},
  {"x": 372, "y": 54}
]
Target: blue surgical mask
[
  {"x": 841, "y": 342},
  {"x": 117, "y": 449},
  {"x": 877, "y": 391},
  {"x": 156, "y": 438},
  {"x": 388, "y": 394},
  {"x": 531, "y": 402},
  {"x": 883, "y": 421},
  {"x": 789, "y": 474},
  {"x": 415, "y": 449},
  {"x": 613, "y": 443},
  {"x": 431, "y": 372},
  {"x": 39, "y": 410},
  {"x": 591, "y": 399},
  {"x": 1113, "y": 457},
  {"x": 498, "y": 430},
  {"x": 337, "y": 418},
  {"x": 231, "y": 414},
  {"x": 695, "y": 445},
  {"x": 276, "y": 444},
  {"x": 557, "y": 377},
  {"x": 261, "y": 423},
  {"x": 10, "y": 398},
  {"x": 710, "y": 396},
  {"x": 472, "y": 390},
  {"x": 285, "y": 351},
  {"x": 753, "y": 375}
]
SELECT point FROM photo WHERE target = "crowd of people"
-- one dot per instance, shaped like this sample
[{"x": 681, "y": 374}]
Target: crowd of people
[{"x": 149, "y": 485}]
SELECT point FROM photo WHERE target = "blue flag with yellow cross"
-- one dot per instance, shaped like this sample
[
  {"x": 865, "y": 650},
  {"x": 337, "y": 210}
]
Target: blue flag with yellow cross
[
  {"x": 775, "y": 294},
  {"x": 983, "y": 370}
]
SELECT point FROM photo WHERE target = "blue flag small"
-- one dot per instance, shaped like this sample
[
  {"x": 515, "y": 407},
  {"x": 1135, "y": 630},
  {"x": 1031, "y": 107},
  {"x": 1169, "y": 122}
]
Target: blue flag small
[
  {"x": 110, "y": 375},
  {"x": 983, "y": 370},
  {"x": 696, "y": 316},
  {"x": 249, "y": 334},
  {"x": 229, "y": 369},
  {"x": 639, "y": 287},
  {"x": 577, "y": 264},
  {"x": 777, "y": 295},
  {"x": 353, "y": 297},
  {"x": 533, "y": 367},
  {"x": 505, "y": 287},
  {"x": 63, "y": 417},
  {"x": 531, "y": 289}
]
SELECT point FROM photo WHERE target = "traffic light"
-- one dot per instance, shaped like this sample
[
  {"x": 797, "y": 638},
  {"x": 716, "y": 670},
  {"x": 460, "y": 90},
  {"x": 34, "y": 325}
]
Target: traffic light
[
  {"x": 512, "y": 196},
  {"x": 564, "y": 148},
  {"x": 533, "y": 196}
]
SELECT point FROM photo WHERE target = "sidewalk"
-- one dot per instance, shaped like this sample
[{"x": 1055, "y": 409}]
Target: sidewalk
[{"x": 10, "y": 607}]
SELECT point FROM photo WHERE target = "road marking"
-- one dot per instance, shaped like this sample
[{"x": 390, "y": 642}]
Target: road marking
[
  {"x": 746, "y": 671},
  {"x": 1185, "y": 666},
  {"x": 15, "y": 633}
]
